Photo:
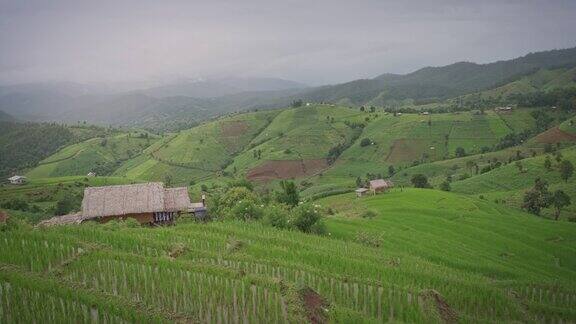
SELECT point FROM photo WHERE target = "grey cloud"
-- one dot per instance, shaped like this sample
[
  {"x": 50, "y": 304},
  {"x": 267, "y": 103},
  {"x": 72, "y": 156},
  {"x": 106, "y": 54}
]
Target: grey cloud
[{"x": 316, "y": 42}]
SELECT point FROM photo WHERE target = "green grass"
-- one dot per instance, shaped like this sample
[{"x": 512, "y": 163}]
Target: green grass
[
  {"x": 488, "y": 262},
  {"x": 87, "y": 156},
  {"x": 198, "y": 153}
]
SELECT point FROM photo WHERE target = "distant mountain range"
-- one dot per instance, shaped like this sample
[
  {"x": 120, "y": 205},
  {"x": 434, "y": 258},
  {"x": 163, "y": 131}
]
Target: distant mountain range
[
  {"x": 185, "y": 102},
  {"x": 5, "y": 117}
]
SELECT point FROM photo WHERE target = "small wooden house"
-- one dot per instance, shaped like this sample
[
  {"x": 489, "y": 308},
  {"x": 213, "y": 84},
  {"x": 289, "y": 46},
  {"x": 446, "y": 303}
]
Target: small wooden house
[
  {"x": 148, "y": 203},
  {"x": 360, "y": 192},
  {"x": 380, "y": 185},
  {"x": 17, "y": 180}
]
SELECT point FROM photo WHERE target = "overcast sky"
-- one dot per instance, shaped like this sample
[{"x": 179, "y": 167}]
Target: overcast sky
[{"x": 316, "y": 42}]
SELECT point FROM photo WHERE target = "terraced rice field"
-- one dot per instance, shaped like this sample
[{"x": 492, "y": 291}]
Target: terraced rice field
[{"x": 438, "y": 257}]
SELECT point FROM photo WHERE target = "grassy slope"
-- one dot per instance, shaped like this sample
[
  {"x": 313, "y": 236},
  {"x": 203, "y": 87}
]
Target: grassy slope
[
  {"x": 490, "y": 264},
  {"x": 509, "y": 184},
  {"x": 413, "y": 137},
  {"x": 79, "y": 159},
  {"x": 301, "y": 133},
  {"x": 542, "y": 80},
  {"x": 198, "y": 153},
  {"x": 498, "y": 247}
]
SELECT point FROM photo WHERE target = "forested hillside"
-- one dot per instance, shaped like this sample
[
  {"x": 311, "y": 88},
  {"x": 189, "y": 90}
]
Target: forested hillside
[{"x": 23, "y": 145}]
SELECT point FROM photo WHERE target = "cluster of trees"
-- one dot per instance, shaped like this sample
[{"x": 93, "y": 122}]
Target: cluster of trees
[
  {"x": 281, "y": 209},
  {"x": 257, "y": 154},
  {"x": 539, "y": 197},
  {"x": 297, "y": 103},
  {"x": 564, "y": 98}
]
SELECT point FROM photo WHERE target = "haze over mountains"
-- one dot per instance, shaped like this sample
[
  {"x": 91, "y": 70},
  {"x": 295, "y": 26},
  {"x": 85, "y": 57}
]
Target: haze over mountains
[{"x": 185, "y": 102}]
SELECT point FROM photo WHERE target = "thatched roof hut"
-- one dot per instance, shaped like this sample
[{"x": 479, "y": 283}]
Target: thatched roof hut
[
  {"x": 123, "y": 199},
  {"x": 379, "y": 185},
  {"x": 176, "y": 199},
  {"x": 148, "y": 203}
]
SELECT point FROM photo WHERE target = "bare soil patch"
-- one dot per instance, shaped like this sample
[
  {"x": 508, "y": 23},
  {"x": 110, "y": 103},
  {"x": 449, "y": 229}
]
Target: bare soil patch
[
  {"x": 286, "y": 169},
  {"x": 315, "y": 305},
  {"x": 3, "y": 217},
  {"x": 404, "y": 149},
  {"x": 432, "y": 298},
  {"x": 234, "y": 128},
  {"x": 555, "y": 135}
]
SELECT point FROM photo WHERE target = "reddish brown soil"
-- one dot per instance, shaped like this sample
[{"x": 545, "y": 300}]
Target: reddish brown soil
[
  {"x": 286, "y": 169},
  {"x": 234, "y": 128},
  {"x": 446, "y": 312},
  {"x": 555, "y": 135},
  {"x": 403, "y": 150},
  {"x": 316, "y": 307},
  {"x": 3, "y": 217}
]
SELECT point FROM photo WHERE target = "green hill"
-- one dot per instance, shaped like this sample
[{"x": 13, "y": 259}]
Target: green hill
[
  {"x": 449, "y": 81},
  {"x": 101, "y": 155},
  {"x": 23, "y": 145},
  {"x": 426, "y": 256},
  {"x": 198, "y": 153}
]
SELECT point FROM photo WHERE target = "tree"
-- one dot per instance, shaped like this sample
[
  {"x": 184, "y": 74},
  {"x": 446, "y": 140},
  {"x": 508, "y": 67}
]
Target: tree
[
  {"x": 297, "y": 103},
  {"x": 64, "y": 206},
  {"x": 537, "y": 198},
  {"x": 460, "y": 152},
  {"x": 391, "y": 170},
  {"x": 558, "y": 156},
  {"x": 519, "y": 166},
  {"x": 358, "y": 182},
  {"x": 548, "y": 163},
  {"x": 365, "y": 142},
  {"x": 420, "y": 181},
  {"x": 469, "y": 164},
  {"x": 445, "y": 186},
  {"x": 289, "y": 194},
  {"x": 559, "y": 200},
  {"x": 566, "y": 170}
]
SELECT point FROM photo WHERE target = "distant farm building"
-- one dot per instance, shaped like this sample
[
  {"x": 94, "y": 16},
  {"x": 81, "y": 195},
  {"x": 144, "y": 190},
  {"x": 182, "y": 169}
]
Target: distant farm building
[
  {"x": 148, "y": 203},
  {"x": 17, "y": 180},
  {"x": 380, "y": 185},
  {"x": 506, "y": 109},
  {"x": 91, "y": 174},
  {"x": 360, "y": 192}
]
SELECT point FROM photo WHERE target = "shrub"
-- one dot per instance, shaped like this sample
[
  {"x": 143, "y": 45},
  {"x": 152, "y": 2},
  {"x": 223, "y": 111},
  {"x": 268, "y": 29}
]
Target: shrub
[
  {"x": 305, "y": 217},
  {"x": 276, "y": 216},
  {"x": 445, "y": 186},
  {"x": 64, "y": 206},
  {"x": 318, "y": 228},
  {"x": 368, "y": 214},
  {"x": 420, "y": 181},
  {"x": 289, "y": 194},
  {"x": 242, "y": 183},
  {"x": 368, "y": 239},
  {"x": 16, "y": 204},
  {"x": 246, "y": 210},
  {"x": 460, "y": 152},
  {"x": 365, "y": 142},
  {"x": 236, "y": 195}
]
